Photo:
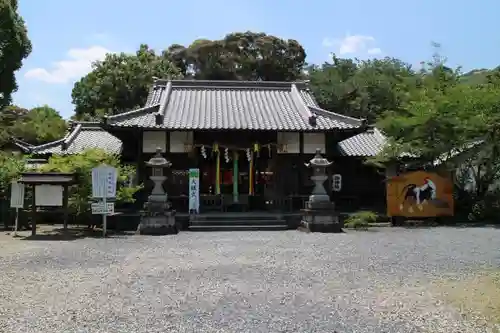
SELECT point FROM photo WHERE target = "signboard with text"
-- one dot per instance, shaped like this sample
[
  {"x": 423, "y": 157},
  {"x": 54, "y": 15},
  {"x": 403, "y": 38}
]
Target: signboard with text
[
  {"x": 194, "y": 191},
  {"x": 101, "y": 208},
  {"x": 104, "y": 182},
  {"x": 17, "y": 195}
]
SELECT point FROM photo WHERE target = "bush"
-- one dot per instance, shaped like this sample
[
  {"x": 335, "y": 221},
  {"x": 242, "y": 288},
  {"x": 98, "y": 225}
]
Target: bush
[
  {"x": 11, "y": 168},
  {"x": 81, "y": 165},
  {"x": 361, "y": 220},
  {"x": 486, "y": 209}
]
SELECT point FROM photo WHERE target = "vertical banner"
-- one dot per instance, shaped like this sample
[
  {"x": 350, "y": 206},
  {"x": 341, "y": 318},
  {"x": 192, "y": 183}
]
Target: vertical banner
[
  {"x": 217, "y": 174},
  {"x": 194, "y": 191}
]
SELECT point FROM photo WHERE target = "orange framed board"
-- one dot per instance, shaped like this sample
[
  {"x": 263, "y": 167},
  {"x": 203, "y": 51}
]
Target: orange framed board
[{"x": 420, "y": 194}]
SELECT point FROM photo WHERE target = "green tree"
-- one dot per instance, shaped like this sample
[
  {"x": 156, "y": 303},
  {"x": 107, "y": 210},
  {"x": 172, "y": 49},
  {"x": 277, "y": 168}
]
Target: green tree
[
  {"x": 39, "y": 125},
  {"x": 361, "y": 89},
  {"x": 36, "y": 126},
  {"x": 14, "y": 47},
  {"x": 9, "y": 116},
  {"x": 120, "y": 82},
  {"x": 82, "y": 165},
  {"x": 240, "y": 56}
]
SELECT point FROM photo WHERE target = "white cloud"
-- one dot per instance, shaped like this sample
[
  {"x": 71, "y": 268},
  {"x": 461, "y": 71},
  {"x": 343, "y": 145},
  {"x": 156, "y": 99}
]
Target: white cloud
[
  {"x": 353, "y": 44},
  {"x": 78, "y": 63}
]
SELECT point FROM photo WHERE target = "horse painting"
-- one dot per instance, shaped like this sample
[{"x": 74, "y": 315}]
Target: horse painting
[{"x": 413, "y": 197}]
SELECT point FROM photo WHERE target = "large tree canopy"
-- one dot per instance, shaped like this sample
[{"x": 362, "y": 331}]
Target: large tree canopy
[
  {"x": 119, "y": 83},
  {"x": 240, "y": 56},
  {"x": 361, "y": 89},
  {"x": 14, "y": 47},
  {"x": 36, "y": 126}
]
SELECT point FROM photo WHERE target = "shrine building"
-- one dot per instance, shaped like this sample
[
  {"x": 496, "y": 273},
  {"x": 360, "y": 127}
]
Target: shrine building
[{"x": 249, "y": 140}]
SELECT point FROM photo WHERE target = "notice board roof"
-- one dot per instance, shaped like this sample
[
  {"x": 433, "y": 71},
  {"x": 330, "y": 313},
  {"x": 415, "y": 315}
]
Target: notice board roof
[{"x": 47, "y": 178}]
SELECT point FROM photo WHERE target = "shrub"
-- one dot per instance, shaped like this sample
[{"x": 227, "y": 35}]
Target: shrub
[
  {"x": 11, "y": 168},
  {"x": 361, "y": 220},
  {"x": 486, "y": 209},
  {"x": 81, "y": 165}
]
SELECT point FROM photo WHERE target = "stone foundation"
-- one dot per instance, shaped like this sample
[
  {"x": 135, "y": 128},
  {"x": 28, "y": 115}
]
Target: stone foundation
[
  {"x": 320, "y": 217},
  {"x": 158, "y": 225},
  {"x": 157, "y": 217}
]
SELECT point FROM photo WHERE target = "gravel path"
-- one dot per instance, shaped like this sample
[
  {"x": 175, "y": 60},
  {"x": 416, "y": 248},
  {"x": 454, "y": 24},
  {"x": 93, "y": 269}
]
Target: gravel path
[{"x": 242, "y": 282}]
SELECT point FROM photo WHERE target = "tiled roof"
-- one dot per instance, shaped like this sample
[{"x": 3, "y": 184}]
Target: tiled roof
[
  {"x": 366, "y": 144},
  {"x": 456, "y": 152},
  {"x": 241, "y": 105},
  {"x": 82, "y": 136},
  {"x": 23, "y": 146}
]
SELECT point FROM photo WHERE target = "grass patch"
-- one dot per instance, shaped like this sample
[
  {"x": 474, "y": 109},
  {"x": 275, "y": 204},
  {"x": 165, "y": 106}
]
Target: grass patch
[{"x": 477, "y": 298}]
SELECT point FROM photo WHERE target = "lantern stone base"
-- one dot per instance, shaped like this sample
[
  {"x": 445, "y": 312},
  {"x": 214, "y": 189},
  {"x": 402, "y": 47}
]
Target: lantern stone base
[
  {"x": 320, "y": 216},
  {"x": 157, "y": 218}
]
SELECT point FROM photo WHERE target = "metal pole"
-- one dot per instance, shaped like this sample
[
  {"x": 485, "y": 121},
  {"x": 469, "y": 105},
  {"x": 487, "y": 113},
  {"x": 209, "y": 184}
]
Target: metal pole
[
  {"x": 17, "y": 222},
  {"x": 104, "y": 217}
]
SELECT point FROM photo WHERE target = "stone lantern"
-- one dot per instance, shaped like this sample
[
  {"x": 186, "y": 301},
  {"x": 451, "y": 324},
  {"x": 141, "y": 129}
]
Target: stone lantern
[
  {"x": 319, "y": 212},
  {"x": 157, "y": 218},
  {"x": 158, "y": 164},
  {"x": 319, "y": 165}
]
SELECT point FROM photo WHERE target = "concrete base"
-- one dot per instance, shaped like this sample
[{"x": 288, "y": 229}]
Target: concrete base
[
  {"x": 157, "y": 230},
  {"x": 158, "y": 225},
  {"x": 324, "y": 228},
  {"x": 320, "y": 217}
]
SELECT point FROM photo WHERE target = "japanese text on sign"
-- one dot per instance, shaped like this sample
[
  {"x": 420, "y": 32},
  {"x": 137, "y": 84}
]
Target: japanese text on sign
[{"x": 104, "y": 182}]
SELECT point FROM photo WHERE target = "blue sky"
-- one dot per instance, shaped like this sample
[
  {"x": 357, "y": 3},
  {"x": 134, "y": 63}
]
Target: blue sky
[{"x": 68, "y": 35}]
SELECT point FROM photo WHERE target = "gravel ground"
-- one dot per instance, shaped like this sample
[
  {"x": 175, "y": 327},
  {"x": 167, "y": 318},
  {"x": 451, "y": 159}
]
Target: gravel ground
[{"x": 377, "y": 281}]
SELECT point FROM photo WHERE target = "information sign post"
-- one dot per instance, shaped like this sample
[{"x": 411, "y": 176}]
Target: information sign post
[{"x": 103, "y": 188}]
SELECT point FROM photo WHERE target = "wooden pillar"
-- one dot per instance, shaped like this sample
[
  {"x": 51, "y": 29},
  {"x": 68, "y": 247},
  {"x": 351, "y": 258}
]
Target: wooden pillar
[
  {"x": 235, "y": 176},
  {"x": 33, "y": 211},
  {"x": 251, "y": 174}
]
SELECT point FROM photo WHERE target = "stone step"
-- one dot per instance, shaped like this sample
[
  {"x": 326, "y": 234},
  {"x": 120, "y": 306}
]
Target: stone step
[
  {"x": 238, "y": 222},
  {"x": 234, "y": 217},
  {"x": 233, "y": 227}
]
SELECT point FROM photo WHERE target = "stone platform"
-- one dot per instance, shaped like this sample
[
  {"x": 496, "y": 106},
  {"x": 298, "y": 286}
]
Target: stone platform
[
  {"x": 158, "y": 225},
  {"x": 320, "y": 217},
  {"x": 157, "y": 219}
]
